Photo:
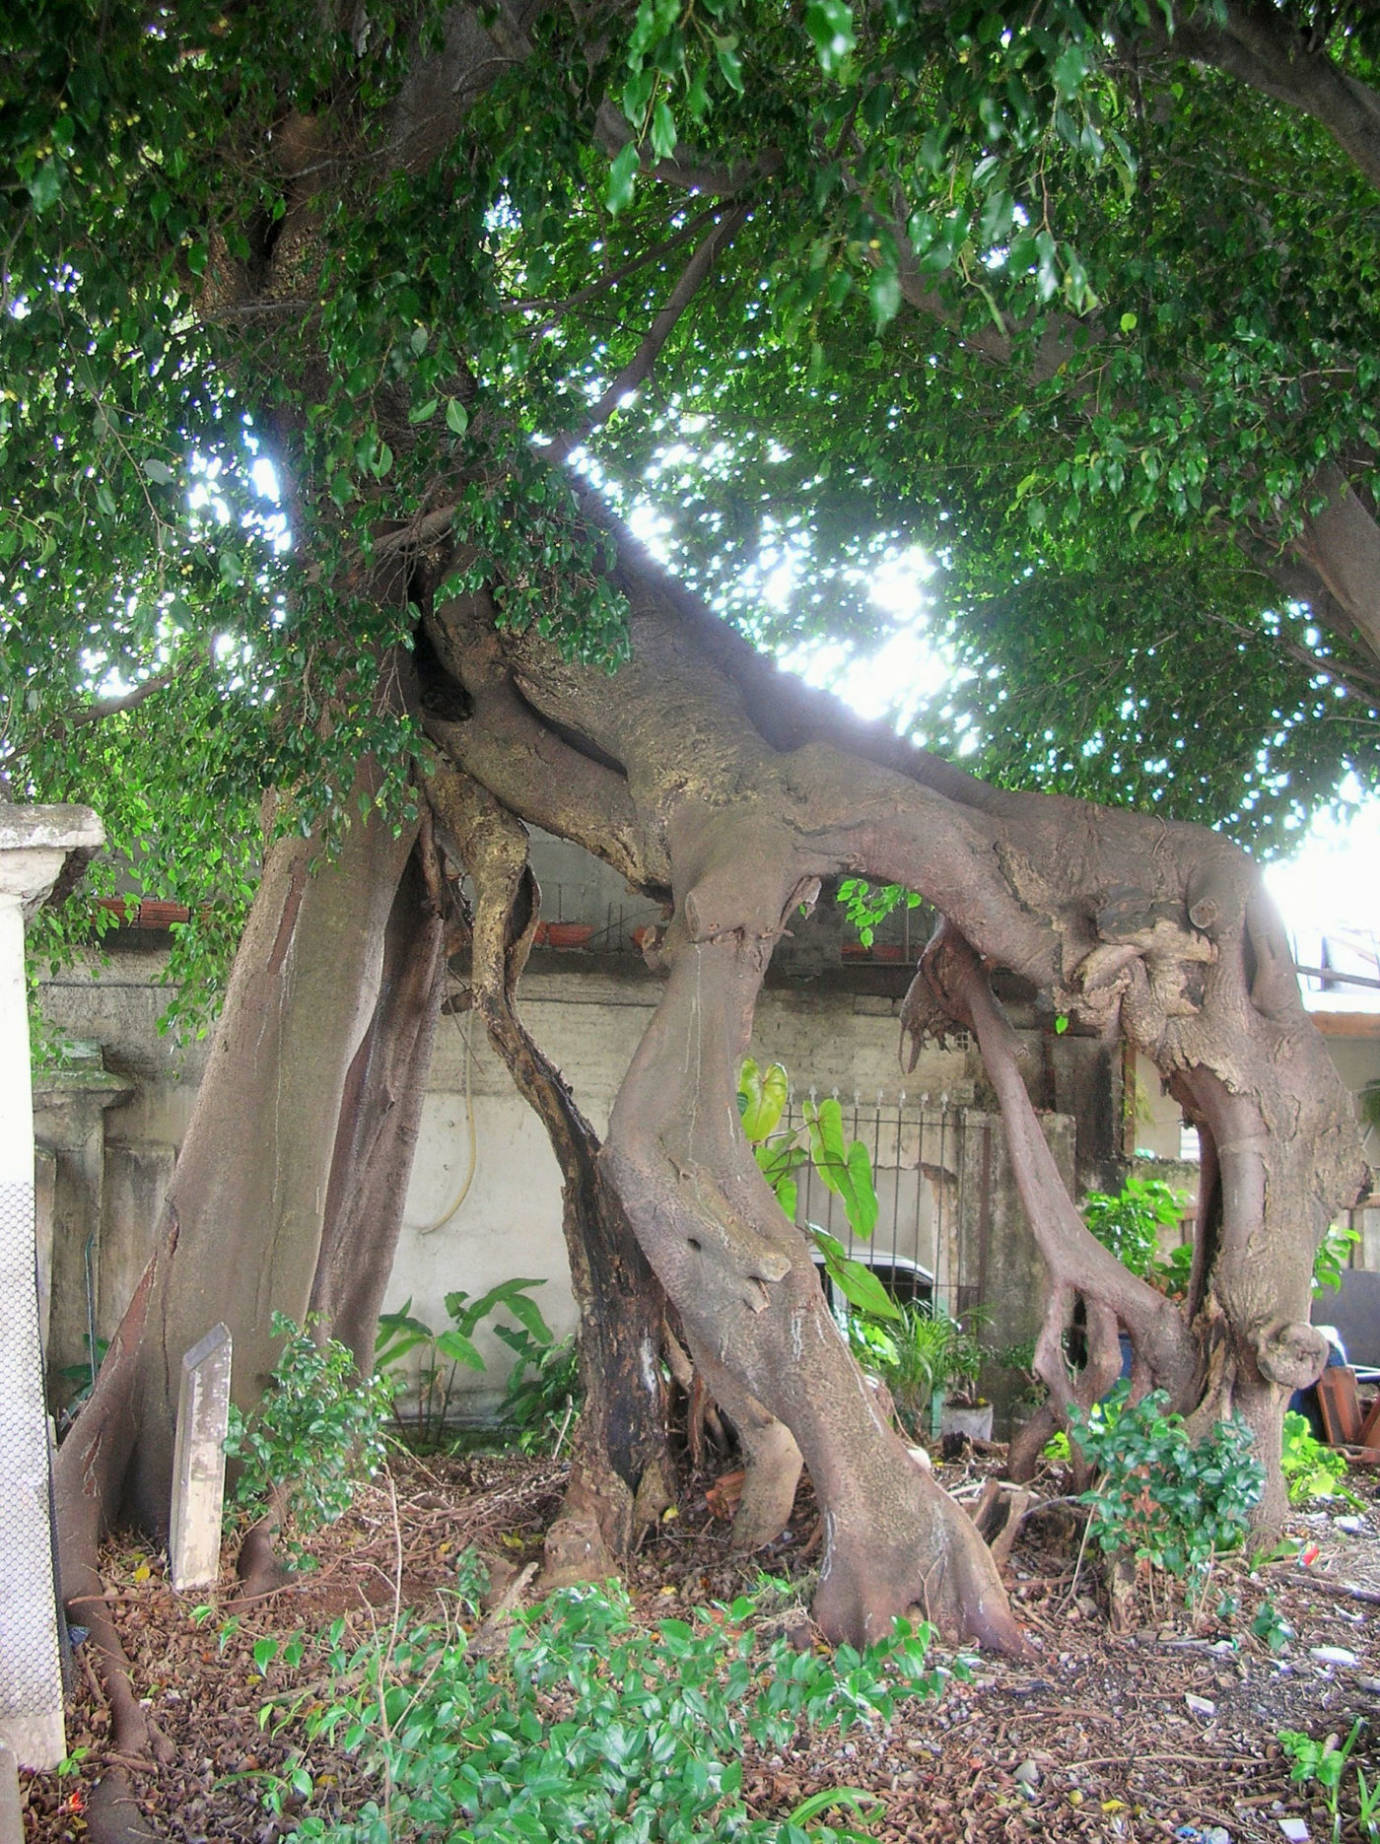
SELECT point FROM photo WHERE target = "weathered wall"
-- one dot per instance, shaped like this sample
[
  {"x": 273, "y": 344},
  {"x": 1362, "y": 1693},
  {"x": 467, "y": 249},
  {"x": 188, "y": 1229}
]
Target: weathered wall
[{"x": 484, "y": 1202}]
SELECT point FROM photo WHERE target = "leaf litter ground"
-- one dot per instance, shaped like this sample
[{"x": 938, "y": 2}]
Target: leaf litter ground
[{"x": 1135, "y": 1734}]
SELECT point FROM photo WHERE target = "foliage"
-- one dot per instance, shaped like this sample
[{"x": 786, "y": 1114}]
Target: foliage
[
  {"x": 445, "y": 1352},
  {"x": 1333, "y": 1257},
  {"x": 1172, "y": 1274},
  {"x": 81, "y": 1379},
  {"x": 591, "y": 1725},
  {"x": 1168, "y": 1500},
  {"x": 844, "y": 1169},
  {"x": 1270, "y": 1627},
  {"x": 316, "y": 1434},
  {"x": 1325, "y": 1763},
  {"x": 924, "y": 1352},
  {"x": 1131, "y": 1223},
  {"x": 542, "y": 1395},
  {"x": 1311, "y": 1469},
  {"x": 866, "y": 906},
  {"x": 185, "y": 631}
]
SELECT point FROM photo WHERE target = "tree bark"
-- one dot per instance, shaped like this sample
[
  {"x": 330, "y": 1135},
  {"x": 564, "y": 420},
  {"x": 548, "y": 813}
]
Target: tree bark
[
  {"x": 380, "y": 1115},
  {"x": 622, "y": 1473},
  {"x": 242, "y": 1222},
  {"x": 741, "y": 1275}
]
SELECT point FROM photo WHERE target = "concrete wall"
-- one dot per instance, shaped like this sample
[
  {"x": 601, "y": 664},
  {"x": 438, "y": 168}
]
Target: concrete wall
[{"x": 484, "y": 1200}]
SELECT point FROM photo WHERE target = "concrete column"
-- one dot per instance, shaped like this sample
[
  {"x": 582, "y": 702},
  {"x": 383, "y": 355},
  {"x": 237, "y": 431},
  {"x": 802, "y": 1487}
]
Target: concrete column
[{"x": 40, "y": 848}]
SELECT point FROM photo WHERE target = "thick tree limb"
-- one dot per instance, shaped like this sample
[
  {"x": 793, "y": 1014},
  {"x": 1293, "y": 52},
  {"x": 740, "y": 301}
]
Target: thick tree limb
[
  {"x": 621, "y": 1474},
  {"x": 1263, "y": 47}
]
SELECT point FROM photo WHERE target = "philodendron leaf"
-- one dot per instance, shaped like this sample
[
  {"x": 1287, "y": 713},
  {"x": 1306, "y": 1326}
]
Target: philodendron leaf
[
  {"x": 854, "y": 1280},
  {"x": 860, "y": 1199},
  {"x": 762, "y": 1097},
  {"x": 845, "y": 1170},
  {"x": 825, "y": 1125}
]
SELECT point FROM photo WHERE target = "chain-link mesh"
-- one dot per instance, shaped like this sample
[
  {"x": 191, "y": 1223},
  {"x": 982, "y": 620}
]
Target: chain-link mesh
[{"x": 30, "y": 1671}]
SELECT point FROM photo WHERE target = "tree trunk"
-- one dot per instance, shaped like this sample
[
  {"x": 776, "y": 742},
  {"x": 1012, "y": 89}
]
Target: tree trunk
[
  {"x": 742, "y": 1278},
  {"x": 380, "y": 1115},
  {"x": 622, "y": 1474},
  {"x": 242, "y": 1222}
]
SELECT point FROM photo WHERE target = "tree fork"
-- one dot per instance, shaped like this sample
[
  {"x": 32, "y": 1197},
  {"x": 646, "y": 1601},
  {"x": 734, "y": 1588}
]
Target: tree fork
[{"x": 741, "y": 1275}]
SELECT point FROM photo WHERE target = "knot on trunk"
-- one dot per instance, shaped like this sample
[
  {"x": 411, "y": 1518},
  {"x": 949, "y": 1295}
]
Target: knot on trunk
[{"x": 1292, "y": 1355}]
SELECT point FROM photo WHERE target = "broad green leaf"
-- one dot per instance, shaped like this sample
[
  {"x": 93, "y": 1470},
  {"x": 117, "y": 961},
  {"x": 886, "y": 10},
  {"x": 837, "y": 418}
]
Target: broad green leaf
[
  {"x": 459, "y": 1349},
  {"x": 622, "y": 179},
  {"x": 860, "y": 1197},
  {"x": 763, "y": 1095},
  {"x": 854, "y": 1279},
  {"x": 830, "y": 25}
]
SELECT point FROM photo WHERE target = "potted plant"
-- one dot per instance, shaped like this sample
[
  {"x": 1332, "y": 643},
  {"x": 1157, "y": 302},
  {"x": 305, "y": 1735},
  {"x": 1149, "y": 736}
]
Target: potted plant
[
  {"x": 962, "y": 1410},
  {"x": 928, "y": 1362}
]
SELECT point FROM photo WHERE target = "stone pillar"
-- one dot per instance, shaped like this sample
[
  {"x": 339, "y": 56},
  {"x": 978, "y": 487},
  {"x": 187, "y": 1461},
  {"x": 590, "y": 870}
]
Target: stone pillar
[{"x": 42, "y": 850}]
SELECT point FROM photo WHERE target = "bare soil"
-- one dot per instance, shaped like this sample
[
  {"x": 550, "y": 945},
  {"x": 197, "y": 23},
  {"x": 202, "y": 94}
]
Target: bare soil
[{"x": 1107, "y": 1735}]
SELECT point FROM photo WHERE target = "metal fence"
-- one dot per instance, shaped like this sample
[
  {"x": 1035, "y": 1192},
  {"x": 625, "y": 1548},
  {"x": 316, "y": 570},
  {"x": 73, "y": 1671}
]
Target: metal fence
[{"x": 934, "y": 1168}]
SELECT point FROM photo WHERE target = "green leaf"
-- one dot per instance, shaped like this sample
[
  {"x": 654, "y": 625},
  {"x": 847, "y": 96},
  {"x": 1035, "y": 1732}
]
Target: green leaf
[
  {"x": 459, "y": 1349},
  {"x": 423, "y": 412},
  {"x": 860, "y": 1197},
  {"x": 1070, "y": 68},
  {"x": 854, "y": 1279},
  {"x": 663, "y": 129},
  {"x": 884, "y": 291},
  {"x": 725, "y": 51},
  {"x": 158, "y": 471},
  {"x": 622, "y": 179},
  {"x": 830, "y": 24},
  {"x": 46, "y": 185},
  {"x": 457, "y": 416},
  {"x": 762, "y": 1098}
]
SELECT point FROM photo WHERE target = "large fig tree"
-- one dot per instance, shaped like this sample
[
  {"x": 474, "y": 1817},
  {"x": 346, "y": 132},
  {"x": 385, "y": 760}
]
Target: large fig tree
[{"x": 452, "y": 285}]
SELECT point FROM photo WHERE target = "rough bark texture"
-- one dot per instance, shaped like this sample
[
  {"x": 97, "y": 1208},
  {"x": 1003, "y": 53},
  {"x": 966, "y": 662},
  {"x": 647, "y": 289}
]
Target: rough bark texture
[
  {"x": 243, "y": 1218},
  {"x": 621, "y": 1474},
  {"x": 380, "y": 1113}
]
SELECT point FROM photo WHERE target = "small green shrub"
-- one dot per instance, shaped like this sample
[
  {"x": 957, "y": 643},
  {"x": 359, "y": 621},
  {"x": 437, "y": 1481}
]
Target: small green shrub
[
  {"x": 590, "y": 1726},
  {"x": 923, "y": 1351},
  {"x": 317, "y": 1433},
  {"x": 1312, "y": 1470},
  {"x": 1325, "y": 1762},
  {"x": 542, "y": 1395},
  {"x": 443, "y": 1354},
  {"x": 1167, "y": 1499},
  {"x": 1130, "y": 1223}
]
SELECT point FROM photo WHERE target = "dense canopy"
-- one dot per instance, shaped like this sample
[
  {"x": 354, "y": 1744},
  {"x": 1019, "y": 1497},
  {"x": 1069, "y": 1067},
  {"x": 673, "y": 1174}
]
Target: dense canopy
[{"x": 1080, "y": 299}]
